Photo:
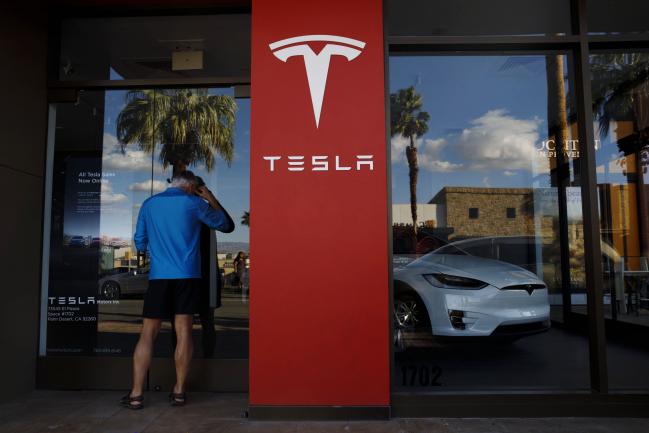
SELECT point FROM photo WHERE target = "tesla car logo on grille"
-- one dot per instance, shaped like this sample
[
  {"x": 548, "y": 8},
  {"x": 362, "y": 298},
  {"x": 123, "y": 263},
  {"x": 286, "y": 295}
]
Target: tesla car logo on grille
[
  {"x": 529, "y": 289},
  {"x": 317, "y": 65}
]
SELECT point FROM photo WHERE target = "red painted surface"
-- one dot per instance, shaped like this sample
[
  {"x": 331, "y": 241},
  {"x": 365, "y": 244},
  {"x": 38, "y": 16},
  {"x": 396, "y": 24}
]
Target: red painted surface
[{"x": 319, "y": 282}]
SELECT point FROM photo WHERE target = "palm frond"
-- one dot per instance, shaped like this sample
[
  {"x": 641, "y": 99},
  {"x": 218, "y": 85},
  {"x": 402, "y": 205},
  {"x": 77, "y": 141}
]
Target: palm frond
[
  {"x": 406, "y": 115},
  {"x": 190, "y": 125}
]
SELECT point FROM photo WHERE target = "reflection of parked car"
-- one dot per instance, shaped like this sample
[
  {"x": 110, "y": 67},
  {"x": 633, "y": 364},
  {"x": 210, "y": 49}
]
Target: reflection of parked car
[
  {"x": 461, "y": 295},
  {"x": 523, "y": 251},
  {"x": 77, "y": 241},
  {"x": 131, "y": 282},
  {"x": 118, "y": 242},
  {"x": 95, "y": 242},
  {"x": 517, "y": 250}
]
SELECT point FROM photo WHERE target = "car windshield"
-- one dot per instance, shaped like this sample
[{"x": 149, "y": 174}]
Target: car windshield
[
  {"x": 450, "y": 249},
  {"x": 478, "y": 247},
  {"x": 436, "y": 256}
]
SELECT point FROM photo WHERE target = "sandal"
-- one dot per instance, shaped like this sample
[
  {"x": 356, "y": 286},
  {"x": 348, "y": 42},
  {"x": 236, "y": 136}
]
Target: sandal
[
  {"x": 177, "y": 399},
  {"x": 133, "y": 403}
]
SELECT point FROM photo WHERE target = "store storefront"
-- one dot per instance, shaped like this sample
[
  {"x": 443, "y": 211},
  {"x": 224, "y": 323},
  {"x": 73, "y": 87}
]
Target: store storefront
[{"x": 449, "y": 214}]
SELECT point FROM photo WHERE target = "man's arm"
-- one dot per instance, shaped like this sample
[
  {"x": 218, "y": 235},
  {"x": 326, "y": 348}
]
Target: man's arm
[
  {"x": 212, "y": 213},
  {"x": 141, "y": 237}
]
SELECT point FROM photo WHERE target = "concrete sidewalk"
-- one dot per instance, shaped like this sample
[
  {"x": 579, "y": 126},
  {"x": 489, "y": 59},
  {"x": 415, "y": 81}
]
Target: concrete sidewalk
[{"x": 98, "y": 412}]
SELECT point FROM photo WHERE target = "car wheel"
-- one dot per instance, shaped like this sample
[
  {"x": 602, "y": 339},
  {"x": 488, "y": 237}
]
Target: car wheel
[
  {"x": 110, "y": 290},
  {"x": 411, "y": 323},
  {"x": 409, "y": 312}
]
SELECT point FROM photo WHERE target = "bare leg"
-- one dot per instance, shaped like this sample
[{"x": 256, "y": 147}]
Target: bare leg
[
  {"x": 184, "y": 349},
  {"x": 143, "y": 353}
]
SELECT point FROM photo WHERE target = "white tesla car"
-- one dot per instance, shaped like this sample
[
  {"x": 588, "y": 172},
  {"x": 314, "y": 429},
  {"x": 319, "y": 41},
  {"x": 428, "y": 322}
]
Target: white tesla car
[{"x": 461, "y": 295}]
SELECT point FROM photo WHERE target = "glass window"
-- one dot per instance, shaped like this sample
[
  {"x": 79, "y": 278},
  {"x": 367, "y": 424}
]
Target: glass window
[
  {"x": 617, "y": 16},
  {"x": 620, "y": 86},
  {"x": 480, "y": 248},
  {"x": 477, "y": 17},
  {"x": 113, "y": 150},
  {"x": 155, "y": 47},
  {"x": 486, "y": 309},
  {"x": 517, "y": 250}
]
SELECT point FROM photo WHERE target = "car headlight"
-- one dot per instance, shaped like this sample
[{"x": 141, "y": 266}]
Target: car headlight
[{"x": 454, "y": 282}]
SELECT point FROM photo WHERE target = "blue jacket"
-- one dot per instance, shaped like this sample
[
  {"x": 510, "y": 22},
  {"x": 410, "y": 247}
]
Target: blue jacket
[{"x": 169, "y": 226}]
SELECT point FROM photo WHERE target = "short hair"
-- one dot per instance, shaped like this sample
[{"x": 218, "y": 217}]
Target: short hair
[{"x": 184, "y": 178}]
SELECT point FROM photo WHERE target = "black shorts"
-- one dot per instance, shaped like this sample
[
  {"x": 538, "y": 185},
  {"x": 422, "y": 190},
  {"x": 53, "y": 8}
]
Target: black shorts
[{"x": 165, "y": 298}]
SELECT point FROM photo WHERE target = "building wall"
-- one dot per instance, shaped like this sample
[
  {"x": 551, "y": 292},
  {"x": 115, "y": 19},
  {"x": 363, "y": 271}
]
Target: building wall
[
  {"x": 23, "y": 119},
  {"x": 492, "y": 204}
]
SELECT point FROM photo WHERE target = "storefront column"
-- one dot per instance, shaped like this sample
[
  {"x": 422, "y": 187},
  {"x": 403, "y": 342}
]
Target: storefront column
[{"x": 319, "y": 315}]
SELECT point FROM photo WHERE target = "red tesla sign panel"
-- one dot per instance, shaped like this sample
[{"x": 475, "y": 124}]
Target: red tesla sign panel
[{"x": 319, "y": 315}]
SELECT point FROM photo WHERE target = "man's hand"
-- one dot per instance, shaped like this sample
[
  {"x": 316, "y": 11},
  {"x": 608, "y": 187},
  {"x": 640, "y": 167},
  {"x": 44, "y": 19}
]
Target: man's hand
[{"x": 204, "y": 193}]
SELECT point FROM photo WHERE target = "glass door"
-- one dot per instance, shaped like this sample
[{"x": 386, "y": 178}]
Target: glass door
[{"x": 112, "y": 150}]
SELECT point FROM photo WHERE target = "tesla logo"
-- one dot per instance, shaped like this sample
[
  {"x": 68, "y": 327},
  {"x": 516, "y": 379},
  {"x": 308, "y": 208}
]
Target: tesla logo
[
  {"x": 529, "y": 289},
  {"x": 317, "y": 65},
  {"x": 71, "y": 300}
]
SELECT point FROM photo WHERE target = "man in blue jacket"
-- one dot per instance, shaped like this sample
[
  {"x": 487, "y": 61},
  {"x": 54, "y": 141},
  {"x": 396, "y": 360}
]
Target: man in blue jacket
[{"x": 168, "y": 227}]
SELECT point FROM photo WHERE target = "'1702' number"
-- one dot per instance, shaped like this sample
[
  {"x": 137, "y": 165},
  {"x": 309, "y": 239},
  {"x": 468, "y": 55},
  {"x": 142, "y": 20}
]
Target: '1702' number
[{"x": 420, "y": 375}]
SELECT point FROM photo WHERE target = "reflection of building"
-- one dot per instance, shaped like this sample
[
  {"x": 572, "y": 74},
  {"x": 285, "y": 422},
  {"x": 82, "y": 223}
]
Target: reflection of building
[
  {"x": 477, "y": 212},
  {"x": 473, "y": 211},
  {"x": 624, "y": 197},
  {"x": 124, "y": 258},
  {"x": 490, "y": 213},
  {"x": 427, "y": 215},
  {"x": 619, "y": 220}
]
